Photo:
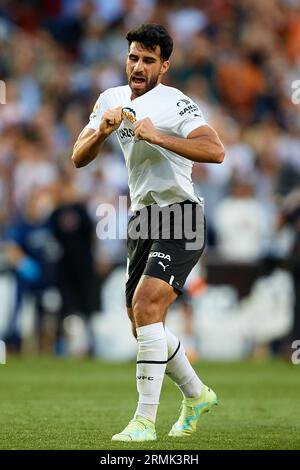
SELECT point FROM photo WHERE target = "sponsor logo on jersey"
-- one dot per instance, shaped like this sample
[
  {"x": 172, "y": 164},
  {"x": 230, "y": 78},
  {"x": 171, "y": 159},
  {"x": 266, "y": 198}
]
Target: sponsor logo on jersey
[
  {"x": 186, "y": 106},
  {"x": 158, "y": 254},
  {"x": 126, "y": 134},
  {"x": 183, "y": 102}
]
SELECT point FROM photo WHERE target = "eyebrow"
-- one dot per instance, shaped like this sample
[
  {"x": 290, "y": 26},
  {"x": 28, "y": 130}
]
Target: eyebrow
[{"x": 148, "y": 57}]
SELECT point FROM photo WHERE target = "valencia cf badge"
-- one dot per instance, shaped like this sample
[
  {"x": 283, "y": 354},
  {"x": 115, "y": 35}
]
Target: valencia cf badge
[{"x": 129, "y": 114}]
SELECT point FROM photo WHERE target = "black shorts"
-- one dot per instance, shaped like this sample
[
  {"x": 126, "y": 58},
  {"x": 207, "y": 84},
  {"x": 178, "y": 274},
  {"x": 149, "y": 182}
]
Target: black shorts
[{"x": 165, "y": 243}]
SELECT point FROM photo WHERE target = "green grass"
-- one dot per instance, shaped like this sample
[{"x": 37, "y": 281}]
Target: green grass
[{"x": 78, "y": 404}]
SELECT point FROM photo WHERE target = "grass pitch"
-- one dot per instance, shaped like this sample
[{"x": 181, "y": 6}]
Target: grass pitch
[{"x": 53, "y": 403}]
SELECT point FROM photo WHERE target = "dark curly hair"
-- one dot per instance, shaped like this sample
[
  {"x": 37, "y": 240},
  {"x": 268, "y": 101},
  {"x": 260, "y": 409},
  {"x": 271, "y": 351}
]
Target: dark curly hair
[{"x": 152, "y": 35}]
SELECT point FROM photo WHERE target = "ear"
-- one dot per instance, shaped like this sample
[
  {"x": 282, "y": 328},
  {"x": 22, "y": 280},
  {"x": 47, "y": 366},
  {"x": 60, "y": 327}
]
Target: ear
[{"x": 165, "y": 67}]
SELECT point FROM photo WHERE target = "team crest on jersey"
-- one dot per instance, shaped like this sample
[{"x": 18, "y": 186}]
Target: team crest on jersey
[
  {"x": 185, "y": 106},
  {"x": 129, "y": 114},
  {"x": 126, "y": 132}
]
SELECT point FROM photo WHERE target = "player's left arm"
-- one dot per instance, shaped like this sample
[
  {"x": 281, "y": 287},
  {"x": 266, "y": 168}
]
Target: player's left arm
[{"x": 201, "y": 145}]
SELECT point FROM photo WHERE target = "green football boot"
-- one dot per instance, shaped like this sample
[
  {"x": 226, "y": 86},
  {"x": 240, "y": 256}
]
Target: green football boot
[
  {"x": 138, "y": 430},
  {"x": 191, "y": 410}
]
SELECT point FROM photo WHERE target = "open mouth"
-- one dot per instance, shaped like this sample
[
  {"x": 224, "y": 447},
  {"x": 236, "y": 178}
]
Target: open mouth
[{"x": 138, "y": 80}]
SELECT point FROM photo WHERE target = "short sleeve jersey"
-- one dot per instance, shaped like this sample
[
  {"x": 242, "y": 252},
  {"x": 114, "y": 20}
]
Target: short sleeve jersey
[{"x": 155, "y": 175}]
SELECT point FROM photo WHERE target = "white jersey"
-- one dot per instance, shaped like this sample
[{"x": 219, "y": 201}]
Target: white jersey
[{"x": 155, "y": 175}]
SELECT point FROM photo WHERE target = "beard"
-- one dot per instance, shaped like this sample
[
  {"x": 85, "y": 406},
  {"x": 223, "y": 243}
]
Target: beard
[{"x": 148, "y": 85}]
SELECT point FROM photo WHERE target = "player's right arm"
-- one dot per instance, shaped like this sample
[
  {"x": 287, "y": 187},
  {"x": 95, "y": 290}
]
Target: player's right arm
[{"x": 88, "y": 144}]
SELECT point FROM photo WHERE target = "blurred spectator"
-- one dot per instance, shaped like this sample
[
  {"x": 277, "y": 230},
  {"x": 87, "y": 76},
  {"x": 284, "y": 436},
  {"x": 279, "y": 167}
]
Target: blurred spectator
[
  {"x": 290, "y": 215},
  {"x": 32, "y": 253},
  {"x": 32, "y": 161},
  {"x": 240, "y": 83},
  {"x": 241, "y": 224},
  {"x": 76, "y": 278}
]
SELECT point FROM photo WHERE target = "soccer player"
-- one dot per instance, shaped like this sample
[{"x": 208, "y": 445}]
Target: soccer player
[{"x": 161, "y": 133}]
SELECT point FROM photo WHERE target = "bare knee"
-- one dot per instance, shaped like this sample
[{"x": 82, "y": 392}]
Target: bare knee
[
  {"x": 151, "y": 300},
  {"x": 146, "y": 310}
]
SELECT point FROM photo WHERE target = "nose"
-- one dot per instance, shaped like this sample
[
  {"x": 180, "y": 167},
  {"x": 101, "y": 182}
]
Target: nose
[{"x": 139, "y": 66}]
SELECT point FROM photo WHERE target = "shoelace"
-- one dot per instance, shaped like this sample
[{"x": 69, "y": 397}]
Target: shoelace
[
  {"x": 135, "y": 422},
  {"x": 184, "y": 411}
]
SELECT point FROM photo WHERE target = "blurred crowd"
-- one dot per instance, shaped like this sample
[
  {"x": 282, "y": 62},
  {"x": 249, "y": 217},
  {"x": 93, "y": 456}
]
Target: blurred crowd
[{"x": 236, "y": 59}]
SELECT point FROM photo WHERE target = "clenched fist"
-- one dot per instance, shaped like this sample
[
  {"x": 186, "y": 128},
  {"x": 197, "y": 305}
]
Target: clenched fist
[
  {"x": 111, "y": 120},
  {"x": 145, "y": 130}
]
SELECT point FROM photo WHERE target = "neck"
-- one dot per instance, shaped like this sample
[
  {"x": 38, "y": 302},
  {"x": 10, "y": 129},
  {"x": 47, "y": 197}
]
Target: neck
[{"x": 134, "y": 96}]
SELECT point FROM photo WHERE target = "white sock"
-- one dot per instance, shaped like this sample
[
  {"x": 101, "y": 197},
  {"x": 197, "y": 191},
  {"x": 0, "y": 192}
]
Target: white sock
[
  {"x": 180, "y": 370},
  {"x": 151, "y": 365}
]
